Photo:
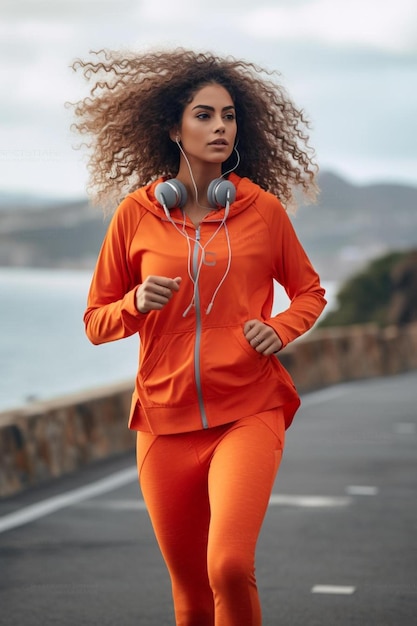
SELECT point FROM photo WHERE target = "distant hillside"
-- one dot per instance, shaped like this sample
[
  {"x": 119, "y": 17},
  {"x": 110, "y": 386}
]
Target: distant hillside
[
  {"x": 383, "y": 293},
  {"x": 62, "y": 235},
  {"x": 350, "y": 225}
]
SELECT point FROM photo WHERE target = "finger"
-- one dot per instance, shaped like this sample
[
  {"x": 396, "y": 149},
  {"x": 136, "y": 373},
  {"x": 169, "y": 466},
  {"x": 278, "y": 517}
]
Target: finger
[
  {"x": 176, "y": 283},
  {"x": 272, "y": 345},
  {"x": 155, "y": 301},
  {"x": 156, "y": 294},
  {"x": 168, "y": 284},
  {"x": 269, "y": 350},
  {"x": 258, "y": 343},
  {"x": 248, "y": 325},
  {"x": 251, "y": 329}
]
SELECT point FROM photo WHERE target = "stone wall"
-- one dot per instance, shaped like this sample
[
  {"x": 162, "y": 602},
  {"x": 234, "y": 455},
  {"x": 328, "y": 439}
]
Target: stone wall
[{"x": 44, "y": 440}]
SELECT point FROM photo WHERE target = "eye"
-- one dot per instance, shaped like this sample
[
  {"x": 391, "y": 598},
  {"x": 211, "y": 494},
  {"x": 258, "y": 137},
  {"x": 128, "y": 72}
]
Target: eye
[
  {"x": 202, "y": 116},
  {"x": 230, "y": 116}
]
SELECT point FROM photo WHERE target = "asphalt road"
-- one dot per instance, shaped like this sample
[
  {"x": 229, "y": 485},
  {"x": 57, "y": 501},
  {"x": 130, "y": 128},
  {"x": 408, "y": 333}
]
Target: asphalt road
[{"x": 338, "y": 547}]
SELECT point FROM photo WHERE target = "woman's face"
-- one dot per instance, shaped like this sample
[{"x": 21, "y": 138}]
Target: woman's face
[{"x": 208, "y": 126}]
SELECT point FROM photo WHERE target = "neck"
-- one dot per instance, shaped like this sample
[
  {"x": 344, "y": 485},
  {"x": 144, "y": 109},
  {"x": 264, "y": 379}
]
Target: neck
[{"x": 202, "y": 175}]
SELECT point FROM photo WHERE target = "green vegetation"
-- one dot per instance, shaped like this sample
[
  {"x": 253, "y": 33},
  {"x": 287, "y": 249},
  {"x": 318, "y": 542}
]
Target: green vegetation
[{"x": 384, "y": 293}]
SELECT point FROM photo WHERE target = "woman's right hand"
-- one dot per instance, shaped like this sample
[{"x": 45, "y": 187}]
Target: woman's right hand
[{"x": 155, "y": 292}]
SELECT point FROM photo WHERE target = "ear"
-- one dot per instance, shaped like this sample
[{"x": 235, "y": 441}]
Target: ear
[{"x": 174, "y": 134}]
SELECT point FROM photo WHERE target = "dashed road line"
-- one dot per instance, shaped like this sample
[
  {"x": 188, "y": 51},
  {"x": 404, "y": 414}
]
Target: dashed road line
[
  {"x": 309, "y": 501},
  {"x": 405, "y": 428},
  {"x": 334, "y": 589},
  {"x": 362, "y": 490},
  {"x": 275, "y": 500},
  {"x": 115, "y": 505}
]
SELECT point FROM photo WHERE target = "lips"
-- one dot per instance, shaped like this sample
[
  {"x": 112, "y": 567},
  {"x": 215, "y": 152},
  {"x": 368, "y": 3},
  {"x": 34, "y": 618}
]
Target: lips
[{"x": 219, "y": 142}]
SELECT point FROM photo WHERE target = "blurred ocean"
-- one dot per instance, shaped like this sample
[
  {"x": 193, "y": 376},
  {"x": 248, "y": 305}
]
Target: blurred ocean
[{"x": 44, "y": 352}]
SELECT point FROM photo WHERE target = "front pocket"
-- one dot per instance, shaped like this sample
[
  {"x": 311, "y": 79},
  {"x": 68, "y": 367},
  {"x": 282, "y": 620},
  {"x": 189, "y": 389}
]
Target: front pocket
[
  {"x": 166, "y": 377},
  {"x": 228, "y": 362}
]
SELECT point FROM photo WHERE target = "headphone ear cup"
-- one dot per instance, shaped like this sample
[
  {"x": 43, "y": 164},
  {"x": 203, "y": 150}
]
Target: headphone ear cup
[
  {"x": 171, "y": 193},
  {"x": 220, "y": 192}
]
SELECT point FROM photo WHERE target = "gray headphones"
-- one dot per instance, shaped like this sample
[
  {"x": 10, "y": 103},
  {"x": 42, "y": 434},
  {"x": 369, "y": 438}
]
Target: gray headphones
[{"x": 172, "y": 193}]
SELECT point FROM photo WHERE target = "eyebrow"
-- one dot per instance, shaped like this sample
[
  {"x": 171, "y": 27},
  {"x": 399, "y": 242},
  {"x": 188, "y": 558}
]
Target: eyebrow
[{"x": 210, "y": 108}]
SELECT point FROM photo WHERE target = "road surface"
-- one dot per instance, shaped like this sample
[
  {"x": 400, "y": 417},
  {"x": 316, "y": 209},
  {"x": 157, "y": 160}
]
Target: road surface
[{"x": 338, "y": 547}]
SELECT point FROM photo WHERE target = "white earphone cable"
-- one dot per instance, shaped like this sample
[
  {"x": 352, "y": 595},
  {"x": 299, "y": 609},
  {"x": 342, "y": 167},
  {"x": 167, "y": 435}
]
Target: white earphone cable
[{"x": 194, "y": 279}]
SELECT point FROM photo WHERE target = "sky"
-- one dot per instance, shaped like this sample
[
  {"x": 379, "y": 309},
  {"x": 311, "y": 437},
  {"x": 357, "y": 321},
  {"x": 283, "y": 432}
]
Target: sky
[{"x": 351, "y": 65}]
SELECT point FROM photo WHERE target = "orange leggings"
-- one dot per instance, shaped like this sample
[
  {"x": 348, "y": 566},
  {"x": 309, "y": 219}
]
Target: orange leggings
[{"x": 207, "y": 493}]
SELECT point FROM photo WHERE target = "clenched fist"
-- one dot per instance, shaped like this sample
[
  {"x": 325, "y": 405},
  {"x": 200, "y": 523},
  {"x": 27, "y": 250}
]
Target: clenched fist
[
  {"x": 262, "y": 337},
  {"x": 155, "y": 292}
]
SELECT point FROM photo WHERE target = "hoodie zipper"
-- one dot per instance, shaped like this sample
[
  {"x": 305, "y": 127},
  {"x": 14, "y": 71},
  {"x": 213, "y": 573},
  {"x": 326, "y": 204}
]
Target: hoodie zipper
[{"x": 197, "y": 345}]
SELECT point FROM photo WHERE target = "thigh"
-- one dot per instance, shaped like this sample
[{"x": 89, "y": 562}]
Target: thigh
[
  {"x": 174, "y": 488},
  {"x": 242, "y": 474}
]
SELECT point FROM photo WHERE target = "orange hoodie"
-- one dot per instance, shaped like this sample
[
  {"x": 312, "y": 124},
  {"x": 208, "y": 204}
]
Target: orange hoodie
[{"x": 196, "y": 369}]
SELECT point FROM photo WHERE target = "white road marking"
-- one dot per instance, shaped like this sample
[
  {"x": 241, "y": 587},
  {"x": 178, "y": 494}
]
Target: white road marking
[
  {"x": 115, "y": 505},
  {"x": 333, "y": 589},
  {"x": 309, "y": 501},
  {"x": 362, "y": 490},
  {"x": 405, "y": 428},
  {"x": 275, "y": 500},
  {"x": 124, "y": 477},
  {"x": 40, "y": 509}
]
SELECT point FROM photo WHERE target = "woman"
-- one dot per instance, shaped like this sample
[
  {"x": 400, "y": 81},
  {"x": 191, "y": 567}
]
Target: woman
[{"x": 200, "y": 148}]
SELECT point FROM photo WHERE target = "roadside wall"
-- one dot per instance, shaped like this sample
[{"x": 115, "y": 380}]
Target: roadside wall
[{"x": 45, "y": 440}]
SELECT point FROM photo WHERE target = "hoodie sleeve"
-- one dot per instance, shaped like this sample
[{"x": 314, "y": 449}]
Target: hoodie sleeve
[
  {"x": 294, "y": 271},
  {"x": 111, "y": 312}
]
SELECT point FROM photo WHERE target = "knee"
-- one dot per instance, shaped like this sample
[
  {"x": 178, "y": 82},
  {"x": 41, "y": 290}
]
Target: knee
[
  {"x": 197, "y": 617},
  {"x": 230, "y": 570}
]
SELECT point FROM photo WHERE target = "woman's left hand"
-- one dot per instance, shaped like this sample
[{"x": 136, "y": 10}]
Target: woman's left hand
[{"x": 262, "y": 337}]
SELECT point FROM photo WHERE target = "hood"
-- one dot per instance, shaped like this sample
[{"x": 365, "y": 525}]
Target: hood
[{"x": 246, "y": 194}]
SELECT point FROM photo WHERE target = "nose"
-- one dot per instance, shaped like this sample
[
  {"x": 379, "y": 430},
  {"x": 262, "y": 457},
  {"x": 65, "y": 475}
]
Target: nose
[{"x": 220, "y": 126}]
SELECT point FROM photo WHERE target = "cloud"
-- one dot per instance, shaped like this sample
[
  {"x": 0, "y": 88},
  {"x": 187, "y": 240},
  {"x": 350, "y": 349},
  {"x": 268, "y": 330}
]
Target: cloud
[
  {"x": 374, "y": 23},
  {"x": 68, "y": 10},
  {"x": 350, "y": 63}
]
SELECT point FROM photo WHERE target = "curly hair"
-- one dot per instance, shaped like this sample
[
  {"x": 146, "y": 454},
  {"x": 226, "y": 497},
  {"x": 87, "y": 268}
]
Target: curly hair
[{"x": 137, "y": 98}]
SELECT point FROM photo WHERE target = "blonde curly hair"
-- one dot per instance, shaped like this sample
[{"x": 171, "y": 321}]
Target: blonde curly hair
[{"x": 137, "y": 98}]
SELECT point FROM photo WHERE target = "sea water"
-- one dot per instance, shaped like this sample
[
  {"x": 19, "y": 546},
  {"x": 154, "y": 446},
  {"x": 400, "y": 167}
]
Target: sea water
[{"x": 44, "y": 352}]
